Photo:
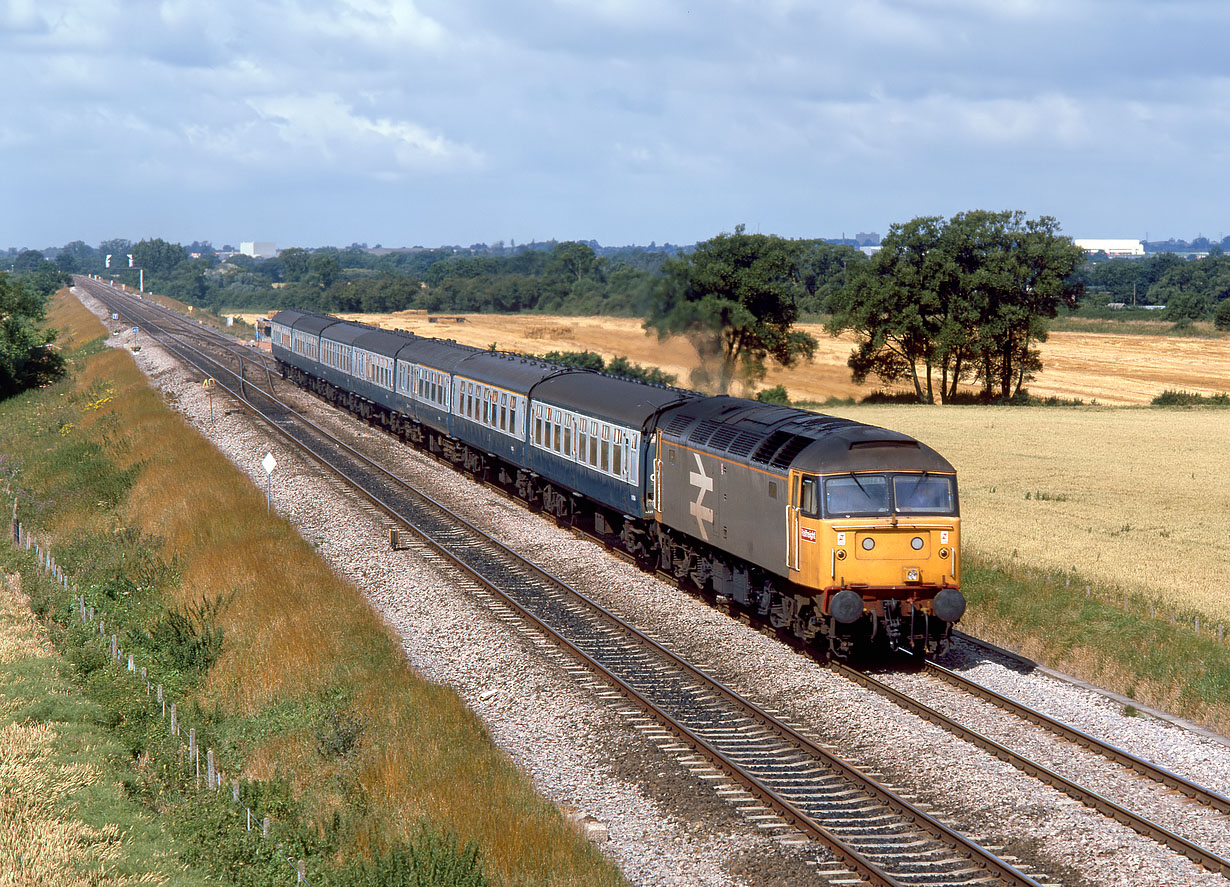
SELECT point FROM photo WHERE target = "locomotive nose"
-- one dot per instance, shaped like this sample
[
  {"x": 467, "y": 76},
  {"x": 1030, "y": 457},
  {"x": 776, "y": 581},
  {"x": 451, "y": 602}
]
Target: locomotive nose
[{"x": 949, "y": 605}]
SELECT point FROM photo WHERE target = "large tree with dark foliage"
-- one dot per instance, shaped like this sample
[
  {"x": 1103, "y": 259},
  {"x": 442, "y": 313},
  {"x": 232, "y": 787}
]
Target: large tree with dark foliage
[
  {"x": 734, "y": 299},
  {"x": 967, "y": 298},
  {"x": 27, "y": 358}
]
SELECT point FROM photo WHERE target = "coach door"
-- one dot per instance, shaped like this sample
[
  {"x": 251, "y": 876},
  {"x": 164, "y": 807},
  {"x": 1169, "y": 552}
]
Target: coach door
[{"x": 792, "y": 521}]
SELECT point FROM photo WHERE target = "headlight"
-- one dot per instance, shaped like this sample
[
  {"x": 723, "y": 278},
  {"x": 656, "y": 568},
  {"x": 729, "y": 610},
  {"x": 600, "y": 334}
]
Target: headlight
[
  {"x": 841, "y": 554},
  {"x": 868, "y": 543},
  {"x": 917, "y": 543},
  {"x": 943, "y": 552}
]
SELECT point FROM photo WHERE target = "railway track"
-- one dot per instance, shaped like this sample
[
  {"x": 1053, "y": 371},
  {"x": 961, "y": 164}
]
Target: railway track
[
  {"x": 876, "y": 834},
  {"x": 1139, "y": 823}
]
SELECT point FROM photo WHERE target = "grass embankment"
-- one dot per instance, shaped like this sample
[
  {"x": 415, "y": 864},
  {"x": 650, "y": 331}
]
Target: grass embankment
[{"x": 286, "y": 670}]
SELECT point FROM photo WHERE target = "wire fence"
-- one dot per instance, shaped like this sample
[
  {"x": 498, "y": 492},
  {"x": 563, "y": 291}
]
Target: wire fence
[{"x": 189, "y": 747}]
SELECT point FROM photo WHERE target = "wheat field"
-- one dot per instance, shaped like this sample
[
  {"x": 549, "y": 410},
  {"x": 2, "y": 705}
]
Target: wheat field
[{"x": 1109, "y": 368}]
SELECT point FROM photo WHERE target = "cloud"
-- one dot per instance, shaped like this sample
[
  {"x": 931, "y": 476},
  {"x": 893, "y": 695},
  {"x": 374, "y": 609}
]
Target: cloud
[{"x": 322, "y": 131}]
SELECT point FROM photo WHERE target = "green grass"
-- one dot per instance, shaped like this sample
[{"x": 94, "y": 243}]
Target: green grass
[{"x": 1050, "y": 617}]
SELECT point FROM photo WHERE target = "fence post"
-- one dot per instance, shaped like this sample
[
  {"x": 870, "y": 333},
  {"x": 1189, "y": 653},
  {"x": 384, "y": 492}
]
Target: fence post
[
  {"x": 210, "y": 769},
  {"x": 301, "y": 871},
  {"x": 235, "y": 790},
  {"x": 265, "y": 828},
  {"x": 174, "y": 721}
]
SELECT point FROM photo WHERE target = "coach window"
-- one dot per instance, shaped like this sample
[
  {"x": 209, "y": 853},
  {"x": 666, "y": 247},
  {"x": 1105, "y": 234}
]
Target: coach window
[
  {"x": 512, "y": 415},
  {"x": 503, "y": 412},
  {"x": 617, "y": 456}
]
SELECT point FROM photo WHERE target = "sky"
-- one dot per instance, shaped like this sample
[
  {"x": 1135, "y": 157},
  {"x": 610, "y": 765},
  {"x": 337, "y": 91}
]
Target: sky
[{"x": 429, "y": 122}]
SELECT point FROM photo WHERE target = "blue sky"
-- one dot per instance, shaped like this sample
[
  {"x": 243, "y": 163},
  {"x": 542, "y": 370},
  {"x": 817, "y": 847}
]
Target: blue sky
[{"x": 626, "y": 121}]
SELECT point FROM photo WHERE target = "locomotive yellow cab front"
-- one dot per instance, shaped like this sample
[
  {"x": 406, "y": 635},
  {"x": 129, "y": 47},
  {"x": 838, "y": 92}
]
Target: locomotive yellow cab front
[{"x": 881, "y": 549}]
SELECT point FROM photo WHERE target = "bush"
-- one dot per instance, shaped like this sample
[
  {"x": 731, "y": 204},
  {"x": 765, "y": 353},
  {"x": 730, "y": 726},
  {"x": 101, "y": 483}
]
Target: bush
[
  {"x": 1221, "y": 317},
  {"x": 1175, "y": 398},
  {"x": 776, "y": 395},
  {"x": 432, "y": 860}
]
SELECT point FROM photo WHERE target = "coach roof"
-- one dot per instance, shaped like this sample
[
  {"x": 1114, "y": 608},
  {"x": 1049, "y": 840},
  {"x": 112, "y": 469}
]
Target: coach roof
[{"x": 621, "y": 400}]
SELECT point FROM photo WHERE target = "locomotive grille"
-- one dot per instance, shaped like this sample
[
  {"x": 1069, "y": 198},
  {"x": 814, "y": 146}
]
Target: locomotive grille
[
  {"x": 787, "y": 453},
  {"x": 678, "y": 423},
  {"x": 765, "y": 451},
  {"x": 722, "y": 437},
  {"x": 744, "y": 444},
  {"x": 701, "y": 433}
]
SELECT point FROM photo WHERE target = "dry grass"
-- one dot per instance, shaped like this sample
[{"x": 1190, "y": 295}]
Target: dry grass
[
  {"x": 1135, "y": 498},
  {"x": 296, "y": 634}
]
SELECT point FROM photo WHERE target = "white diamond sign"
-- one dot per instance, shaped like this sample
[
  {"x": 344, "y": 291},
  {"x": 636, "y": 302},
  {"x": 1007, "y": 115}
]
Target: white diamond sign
[{"x": 269, "y": 463}]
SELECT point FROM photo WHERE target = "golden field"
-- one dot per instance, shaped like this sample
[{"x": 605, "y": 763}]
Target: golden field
[
  {"x": 1132, "y": 497},
  {"x": 1128, "y": 368}
]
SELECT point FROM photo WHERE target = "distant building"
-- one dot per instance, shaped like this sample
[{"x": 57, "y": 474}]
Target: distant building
[
  {"x": 1112, "y": 248},
  {"x": 258, "y": 249}
]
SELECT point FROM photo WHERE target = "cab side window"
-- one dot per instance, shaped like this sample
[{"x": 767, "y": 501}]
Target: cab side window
[{"x": 809, "y": 496}]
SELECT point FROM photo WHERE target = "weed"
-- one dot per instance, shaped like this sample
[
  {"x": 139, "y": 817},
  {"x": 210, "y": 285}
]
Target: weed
[{"x": 1130, "y": 711}]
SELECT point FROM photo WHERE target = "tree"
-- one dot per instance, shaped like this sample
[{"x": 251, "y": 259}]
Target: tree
[
  {"x": 1221, "y": 317},
  {"x": 571, "y": 259},
  {"x": 901, "y": 307},
  {"x": 733, "y": 298},
  {"x": 325, "y": 269},
  {"x": 294, "y": 263},
  {"x": 28, "y": 260},
  {"x": 156, "y": 256},
  {"x": 967, "y": 297},
  {"x": 27, "y": 359}
]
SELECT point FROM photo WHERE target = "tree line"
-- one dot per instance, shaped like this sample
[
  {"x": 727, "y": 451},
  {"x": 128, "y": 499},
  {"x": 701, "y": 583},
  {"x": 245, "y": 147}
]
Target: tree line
[{"x": 943, "y": 305}]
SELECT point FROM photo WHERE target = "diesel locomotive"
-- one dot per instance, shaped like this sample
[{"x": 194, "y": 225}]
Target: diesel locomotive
[{"x": 843, "y": 534}]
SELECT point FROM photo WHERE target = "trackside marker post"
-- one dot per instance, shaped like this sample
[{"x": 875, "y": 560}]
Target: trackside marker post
[{"x": 269, "y": 463}]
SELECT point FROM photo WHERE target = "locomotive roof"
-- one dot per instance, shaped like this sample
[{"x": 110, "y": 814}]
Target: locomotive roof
[
  {"x": 781, "y": 438},
  {"x": 621, "y": 400},
  {"x": 512, "y": 371}
]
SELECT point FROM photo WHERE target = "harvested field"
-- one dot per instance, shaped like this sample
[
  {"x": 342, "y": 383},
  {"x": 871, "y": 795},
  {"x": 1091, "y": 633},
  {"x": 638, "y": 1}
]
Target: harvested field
[
  {"x": 1128, "y": 368},
  {"x": 1135, "y": 498}
]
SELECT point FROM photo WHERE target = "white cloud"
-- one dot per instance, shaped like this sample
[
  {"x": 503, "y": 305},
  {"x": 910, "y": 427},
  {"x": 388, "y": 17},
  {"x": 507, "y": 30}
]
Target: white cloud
[{"x": 322, "y": 130}]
